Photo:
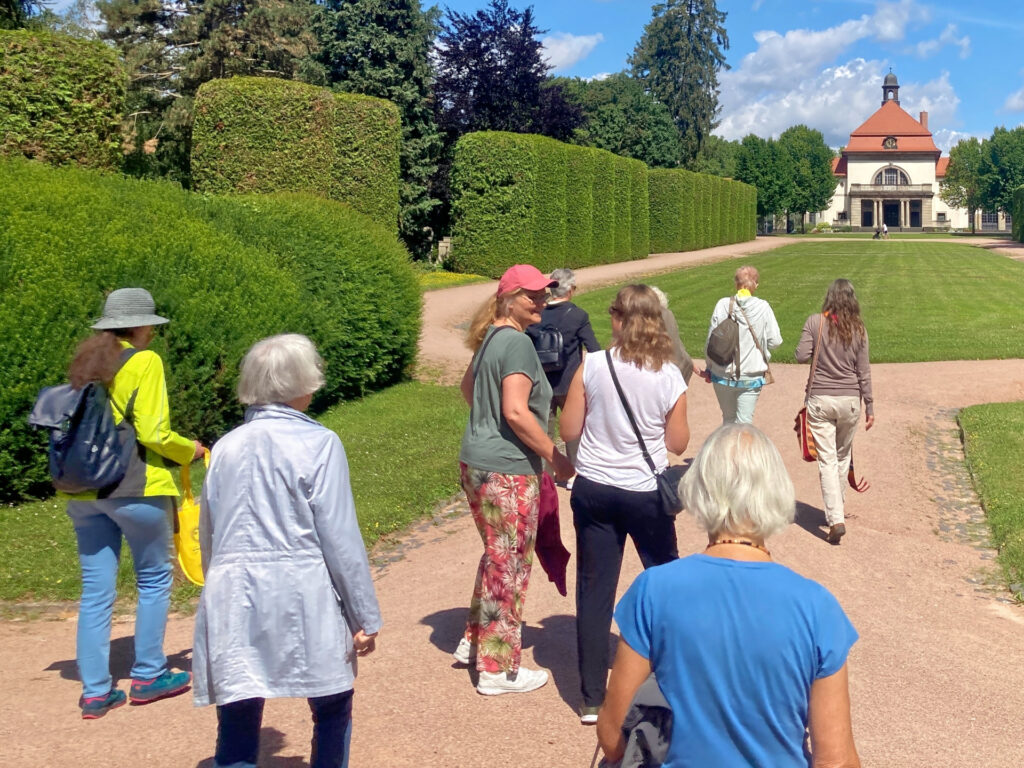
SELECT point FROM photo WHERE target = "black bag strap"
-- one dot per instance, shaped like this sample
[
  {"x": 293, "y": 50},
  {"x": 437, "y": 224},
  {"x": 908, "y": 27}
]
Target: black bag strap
[
  {"x": 814, "y": 360},
  {"x": 753, "y": 335},
  {"x": 478, "y": 360},
  {"x": 629, "y": 413}
]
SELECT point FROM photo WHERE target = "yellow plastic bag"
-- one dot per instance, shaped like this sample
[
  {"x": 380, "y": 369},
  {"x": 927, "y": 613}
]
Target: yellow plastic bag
[{"x": 186, "y": 529}]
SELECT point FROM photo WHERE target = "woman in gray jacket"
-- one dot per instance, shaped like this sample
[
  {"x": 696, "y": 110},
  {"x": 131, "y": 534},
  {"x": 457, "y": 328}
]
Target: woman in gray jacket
[{"x": 289, "y": 601}]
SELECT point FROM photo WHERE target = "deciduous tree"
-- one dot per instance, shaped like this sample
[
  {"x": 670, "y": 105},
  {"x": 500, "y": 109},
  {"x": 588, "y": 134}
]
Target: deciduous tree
[
  {"x": 760, "y": 163},
  {"x": 1002, "y": 168},
  {"x": 962, "y": 185},
  {"x": 678, "y": 59},
  {"x": 809, "y": 160}
]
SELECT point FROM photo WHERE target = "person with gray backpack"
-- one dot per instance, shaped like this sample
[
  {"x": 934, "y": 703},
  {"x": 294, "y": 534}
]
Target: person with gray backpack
[
  {"x": 115, "y": 409},
  {"x": 741, "y": 335}
]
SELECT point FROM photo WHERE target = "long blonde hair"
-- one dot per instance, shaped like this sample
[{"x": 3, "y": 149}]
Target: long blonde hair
[
  {"x": 642, "y": 339},
  {"x": 495, "y": 308}
]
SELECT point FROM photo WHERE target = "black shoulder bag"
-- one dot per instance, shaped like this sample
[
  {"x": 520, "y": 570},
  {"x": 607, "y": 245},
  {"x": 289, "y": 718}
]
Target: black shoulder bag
[{"x": 668, "y": 479}]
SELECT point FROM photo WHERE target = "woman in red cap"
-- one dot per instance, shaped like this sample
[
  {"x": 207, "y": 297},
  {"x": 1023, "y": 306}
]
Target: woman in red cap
[{"x": 503, "y": 450}]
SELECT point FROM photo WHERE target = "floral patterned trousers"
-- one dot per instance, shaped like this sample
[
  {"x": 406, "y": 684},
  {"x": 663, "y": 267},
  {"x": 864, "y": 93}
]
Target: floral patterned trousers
[{"x": 505, "y": 509}]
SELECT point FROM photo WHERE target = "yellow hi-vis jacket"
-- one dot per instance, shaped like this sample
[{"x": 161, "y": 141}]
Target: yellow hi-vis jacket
[{"x": 159, "y": 447}]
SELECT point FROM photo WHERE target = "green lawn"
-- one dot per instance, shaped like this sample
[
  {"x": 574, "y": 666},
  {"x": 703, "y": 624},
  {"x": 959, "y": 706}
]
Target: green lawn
[
  {"x": 994, "y": 443},
  {"x": 920, "y": 300},
  {"x": 402, "y": 447}
]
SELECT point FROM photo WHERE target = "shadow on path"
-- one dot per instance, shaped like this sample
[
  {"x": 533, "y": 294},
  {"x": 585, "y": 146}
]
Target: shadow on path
[
  {"x": 122, "y": 655},
  {"x": 272, "y": 741},
  {"x": 811, "y": 519}
]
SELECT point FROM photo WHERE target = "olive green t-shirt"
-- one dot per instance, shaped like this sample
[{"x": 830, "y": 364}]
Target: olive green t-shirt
[{"x": 489, "y": 442}]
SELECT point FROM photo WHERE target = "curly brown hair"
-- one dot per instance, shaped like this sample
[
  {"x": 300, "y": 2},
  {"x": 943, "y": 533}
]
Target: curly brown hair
[
  {"x": 96, "y": 359},
  {"x": 642, "y": 339},
  {"x": 842, "y": 306}
]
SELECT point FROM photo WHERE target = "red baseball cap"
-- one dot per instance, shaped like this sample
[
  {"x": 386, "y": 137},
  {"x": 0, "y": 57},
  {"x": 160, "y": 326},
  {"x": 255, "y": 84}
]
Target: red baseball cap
[{"x": 525, "y": 276}]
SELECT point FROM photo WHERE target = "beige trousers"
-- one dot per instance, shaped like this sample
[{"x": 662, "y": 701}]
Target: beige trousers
[{"x": 833, "y": 422}]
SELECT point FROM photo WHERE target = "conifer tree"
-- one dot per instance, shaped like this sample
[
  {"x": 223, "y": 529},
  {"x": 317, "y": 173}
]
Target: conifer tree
[
  {"x": 677, "y": 59},
  {"x": 382, "y": 48}
]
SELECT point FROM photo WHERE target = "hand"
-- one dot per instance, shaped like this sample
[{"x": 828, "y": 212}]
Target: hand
[
  {"x": 705, "y": 374},
  {"x": 562, "y": 467},
  {"x": 200, "y": 450},
  {"x": 869, "y": 422},
  {"x": 363, "y": 643}
]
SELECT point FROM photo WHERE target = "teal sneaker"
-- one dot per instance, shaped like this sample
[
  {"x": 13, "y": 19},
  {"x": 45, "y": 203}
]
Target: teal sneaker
[
  {"x": 96, "y": 707},
  {"x": 163, "y": 687}
]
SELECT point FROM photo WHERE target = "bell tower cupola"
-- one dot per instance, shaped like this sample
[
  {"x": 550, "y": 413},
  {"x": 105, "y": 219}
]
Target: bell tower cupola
[{"x": 890, "y": 89}]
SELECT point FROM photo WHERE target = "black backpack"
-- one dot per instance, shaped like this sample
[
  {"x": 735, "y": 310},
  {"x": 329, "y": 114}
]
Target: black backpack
[
  {"x": 88, "y": 451},
  {"x": 724, "y": 342},
  {"x": 550, "y": 346}
]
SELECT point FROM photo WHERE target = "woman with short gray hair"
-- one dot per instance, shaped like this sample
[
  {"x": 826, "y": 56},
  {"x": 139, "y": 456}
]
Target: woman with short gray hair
[
  {"x": 289, "y": 600},
  {"x": 748, "y": 653}
]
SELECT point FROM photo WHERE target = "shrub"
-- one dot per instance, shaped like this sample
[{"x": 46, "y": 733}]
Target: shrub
[
  {"x": 226, "y": 271},
  {"x": 1018, "y": 214},
  {"x": 255, "y": 134},
  {"x": 666, "y": 190},
  {"x": 603, "y": 241},
  {"x": 623, "y": 204},
  {"x": 639, "y": 215},
  {"x": 493, "y": 179},
  {"x": 549, "y": 209},
  {"x": 689, "y": 230},
  {"x": 579, "y": 205},
  {"x": 61, "y": 99}
]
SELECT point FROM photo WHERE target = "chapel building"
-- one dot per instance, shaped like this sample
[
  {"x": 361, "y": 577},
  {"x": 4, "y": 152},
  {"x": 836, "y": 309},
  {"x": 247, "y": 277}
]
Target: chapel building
[{"x": 889, "y": 172}]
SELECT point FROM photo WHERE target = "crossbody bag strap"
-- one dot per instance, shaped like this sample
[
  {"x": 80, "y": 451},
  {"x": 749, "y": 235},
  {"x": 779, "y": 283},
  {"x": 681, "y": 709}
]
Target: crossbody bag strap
[
  {"x": 480, "y": 355},
  {"x": 629, "y": 412},
  {"x": 814, "y": 360},
  {"x": 768, "y": 366}
]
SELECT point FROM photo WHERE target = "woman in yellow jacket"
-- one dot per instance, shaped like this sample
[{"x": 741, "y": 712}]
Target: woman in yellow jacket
[{"x": 137, "y": 508}]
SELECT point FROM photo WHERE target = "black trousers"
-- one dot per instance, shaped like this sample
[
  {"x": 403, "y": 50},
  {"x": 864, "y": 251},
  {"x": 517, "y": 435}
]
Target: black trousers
[{"x": 603, "y": 516}]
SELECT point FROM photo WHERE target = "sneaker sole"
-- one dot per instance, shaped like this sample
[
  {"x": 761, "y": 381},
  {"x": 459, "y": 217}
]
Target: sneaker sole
[
  {"x": 101, "y": 713},
  {"x": 136, "y": 701}
]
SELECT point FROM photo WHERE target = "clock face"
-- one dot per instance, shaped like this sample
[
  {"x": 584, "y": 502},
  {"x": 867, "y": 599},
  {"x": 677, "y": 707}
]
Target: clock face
[{"x": 889, "y": 143}]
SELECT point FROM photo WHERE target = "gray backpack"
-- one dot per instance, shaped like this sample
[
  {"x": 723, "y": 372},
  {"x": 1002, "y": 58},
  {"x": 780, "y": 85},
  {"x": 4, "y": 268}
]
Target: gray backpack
[{"x": 724, "y": 342}]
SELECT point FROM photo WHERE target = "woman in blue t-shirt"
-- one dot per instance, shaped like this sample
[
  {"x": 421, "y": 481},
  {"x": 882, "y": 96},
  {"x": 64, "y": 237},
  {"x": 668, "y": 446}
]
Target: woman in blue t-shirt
[{"x": 748, "y": 653}]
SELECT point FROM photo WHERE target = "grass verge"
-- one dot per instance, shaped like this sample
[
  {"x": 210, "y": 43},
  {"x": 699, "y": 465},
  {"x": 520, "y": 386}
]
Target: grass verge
[
  {"x": 993, "y": 438},
  {"x": 432, "y": 281},
  {"x": 402, "y": 446},
  {"x": 921, "y": 301}
]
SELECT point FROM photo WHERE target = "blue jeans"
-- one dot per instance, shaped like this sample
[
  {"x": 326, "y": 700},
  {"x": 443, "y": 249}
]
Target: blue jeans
[
  {"x": 737, "y": 403},
  {"x": 238, "y": 732},
  {"x": 99, "y": 526}
]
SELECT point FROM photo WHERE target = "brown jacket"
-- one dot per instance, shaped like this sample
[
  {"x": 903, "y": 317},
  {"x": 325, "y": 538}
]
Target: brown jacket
[{"x": 840, "y": 370}]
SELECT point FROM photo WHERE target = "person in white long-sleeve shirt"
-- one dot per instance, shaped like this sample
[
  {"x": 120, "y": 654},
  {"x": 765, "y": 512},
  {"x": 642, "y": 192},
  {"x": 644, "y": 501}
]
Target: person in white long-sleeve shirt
[
  {"x": 737, "y": 390},
  {"x": 289, "y": 601}
]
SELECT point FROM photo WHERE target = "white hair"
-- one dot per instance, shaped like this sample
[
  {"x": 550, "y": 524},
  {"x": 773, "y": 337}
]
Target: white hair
[
  {"x": 566, "y": 282},
  {"x": 661, "y": 296},
  {"x": 279, "y": 369},
  {"x": 738, "y": 484}
]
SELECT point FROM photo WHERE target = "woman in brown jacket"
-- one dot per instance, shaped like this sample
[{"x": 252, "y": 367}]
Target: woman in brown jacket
[{"x": 842, "y": 379}]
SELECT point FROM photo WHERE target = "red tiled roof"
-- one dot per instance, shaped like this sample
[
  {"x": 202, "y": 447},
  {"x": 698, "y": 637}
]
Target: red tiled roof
[
  {"x": 891, "y": 120},
  {"x": 839, "y": 166},
  {"x": 941, "y": 166}
]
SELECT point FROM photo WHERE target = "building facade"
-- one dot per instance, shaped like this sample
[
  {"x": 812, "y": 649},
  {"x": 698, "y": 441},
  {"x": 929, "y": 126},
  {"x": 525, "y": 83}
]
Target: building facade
[{"x": 889, "y": 172}]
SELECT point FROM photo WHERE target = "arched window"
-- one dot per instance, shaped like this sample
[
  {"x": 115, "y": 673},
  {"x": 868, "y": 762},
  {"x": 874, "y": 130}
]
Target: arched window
[{"x": 891, "y": 177}]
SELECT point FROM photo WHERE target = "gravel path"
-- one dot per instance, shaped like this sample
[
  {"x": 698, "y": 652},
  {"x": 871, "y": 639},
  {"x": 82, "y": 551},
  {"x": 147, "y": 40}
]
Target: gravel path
[{"x": 937, "y": 677}]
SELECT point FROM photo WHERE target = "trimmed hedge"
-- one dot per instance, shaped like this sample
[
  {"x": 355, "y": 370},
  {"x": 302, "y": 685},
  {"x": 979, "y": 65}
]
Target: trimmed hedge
[
  {"x": 1018, "y": 215},
  {"x": 61, "y": 99},
  {"x": 255, "y": 134},
  {"x": 227, "y": 271},
  {"x": 694, "y": 210},
  {"x": 563, "y": 204}
]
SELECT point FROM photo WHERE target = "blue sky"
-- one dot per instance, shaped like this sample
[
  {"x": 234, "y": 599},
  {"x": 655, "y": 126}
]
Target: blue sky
[{"x": 821, "y": 62}]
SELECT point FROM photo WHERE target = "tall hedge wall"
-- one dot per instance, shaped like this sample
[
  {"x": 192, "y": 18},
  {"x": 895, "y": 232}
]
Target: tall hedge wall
[
  {"x": 61, "y": 99},
  {"x": 1018, "y": 215},
  {"x": 255, "y": 134},
  {"x": 694, "y": 210},
  {"x": 516, "y": 194},
  {"x": 226, "y": 271}
]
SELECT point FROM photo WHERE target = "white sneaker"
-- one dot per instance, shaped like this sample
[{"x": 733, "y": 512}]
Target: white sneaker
[
  {"x": 588, "y": 715},
  {"x": 495, "y": 683},
  {"x": 465, "y": 652},
  {"x": 568, "y": 483}
]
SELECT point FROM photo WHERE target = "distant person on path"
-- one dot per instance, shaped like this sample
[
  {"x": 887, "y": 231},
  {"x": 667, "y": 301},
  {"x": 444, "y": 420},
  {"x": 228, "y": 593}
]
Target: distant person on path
[
  {"x": 842, "y": 379},
  {"x": 748, "y": 653},
  {"x": 137, "y": 508},
  {"x": 503, "y": 450},
  {"x": 885, "y": 231},
  {"x": 578, "y": 338},
  {"x": 737, "y": 390},
  {"x": 682, "y": 357},
  {"x": 615, "y": 494},
  {"x": 289, "y": 601}
]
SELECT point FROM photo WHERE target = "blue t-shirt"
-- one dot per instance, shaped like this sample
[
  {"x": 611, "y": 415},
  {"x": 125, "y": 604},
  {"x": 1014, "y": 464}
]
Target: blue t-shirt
[{"x": 735, "y": 646}]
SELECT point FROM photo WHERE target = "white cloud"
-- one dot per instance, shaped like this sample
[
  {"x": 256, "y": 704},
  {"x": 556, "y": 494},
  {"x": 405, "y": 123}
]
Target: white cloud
[
  {"x": 945, "y": 139},
  {"x": 1015, "y": 101},
  {"x": 562, "y": 49},
  {"x": 927, "y": 48},
  {"x": 598, "y": 76}
]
